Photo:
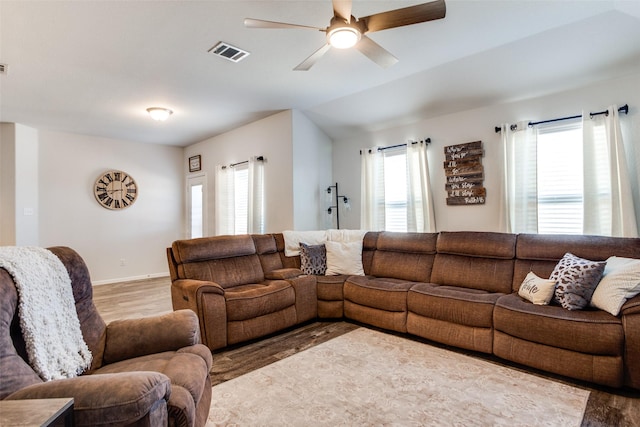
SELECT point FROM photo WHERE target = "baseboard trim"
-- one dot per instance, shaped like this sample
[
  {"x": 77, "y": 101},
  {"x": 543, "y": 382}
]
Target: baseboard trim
[{"x": 130, "y": 278}]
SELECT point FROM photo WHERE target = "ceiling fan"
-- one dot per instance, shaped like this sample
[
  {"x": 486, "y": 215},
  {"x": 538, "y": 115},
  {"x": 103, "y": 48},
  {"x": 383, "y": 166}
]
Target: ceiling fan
[{"x": 345, "y": 31}]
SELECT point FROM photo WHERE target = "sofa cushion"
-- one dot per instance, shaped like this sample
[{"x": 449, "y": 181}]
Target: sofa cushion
[
  {"x": 344, "y": 258},
  {"x": 475, "y": 260},
  {"x": 112, "y": 399},
  {"x": 330, "y": 288},
  {"x": 313, "y": 259},
  {"x": 478, "y": 244},
  {"x": 208, "y": 248},
  {"x": 187, "y": 369},
  {"x": 463, "y": 306},
  {"x": 406, "y": 256},
  {"x": 254, "y": 300},
  {"x": 536, "y": 289},
  {"x": 585, "y": 331},
  {"x": 620, "y": 281},
  {"x": 226, "y": 260},
  {"x": 381, "y": 293},
  {"x": 267, "y": 251},
  {"x": 576, "y": 279},
  {"x": 487, "y": 274}
]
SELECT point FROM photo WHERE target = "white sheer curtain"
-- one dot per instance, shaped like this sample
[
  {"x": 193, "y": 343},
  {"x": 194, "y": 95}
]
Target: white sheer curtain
[
  {"x": 420, "y": 213},
  {"x": 224, "y": 200},
  {"x": 372, "y": 189},
  {"x": 229, "y": 210},
  {"x": 519, "y": 201},
  {"x": 256, "y": 213},
  {"x": 608, "y": 200}
]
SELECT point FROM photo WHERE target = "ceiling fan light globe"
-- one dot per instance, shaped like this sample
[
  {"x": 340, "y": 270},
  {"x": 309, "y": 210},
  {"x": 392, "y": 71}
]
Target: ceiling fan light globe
[{"x": 343, "y": 37}]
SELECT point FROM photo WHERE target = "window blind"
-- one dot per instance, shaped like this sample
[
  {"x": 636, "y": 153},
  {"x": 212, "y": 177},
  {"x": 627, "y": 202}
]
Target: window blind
[{"x": 560, "y": 178}]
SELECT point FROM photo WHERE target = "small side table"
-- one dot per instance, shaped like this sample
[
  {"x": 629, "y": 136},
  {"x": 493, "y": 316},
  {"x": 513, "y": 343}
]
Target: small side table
[{"x": 37, "y": 412}]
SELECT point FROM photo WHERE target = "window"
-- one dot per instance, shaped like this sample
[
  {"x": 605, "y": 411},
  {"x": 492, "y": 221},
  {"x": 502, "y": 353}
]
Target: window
[
  {"x": 567, "y": 176},
  {"x": 196, "y": 206},
  {"x": 396, "y": 195},
  {"x": 239, "y": 198},
  {"x": 196, "y": 211},
  {"x": 395, "y": 190},
  {"x": 560, "y": 179}
]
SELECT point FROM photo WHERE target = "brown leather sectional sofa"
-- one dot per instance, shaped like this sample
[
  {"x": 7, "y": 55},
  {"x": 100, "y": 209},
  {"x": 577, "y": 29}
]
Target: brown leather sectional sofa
[{"x": 455, "y": 288}]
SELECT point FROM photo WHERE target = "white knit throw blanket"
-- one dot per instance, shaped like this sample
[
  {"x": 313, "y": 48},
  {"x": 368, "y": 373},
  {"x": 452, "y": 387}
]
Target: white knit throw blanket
[{"x": 48, "y": 318}]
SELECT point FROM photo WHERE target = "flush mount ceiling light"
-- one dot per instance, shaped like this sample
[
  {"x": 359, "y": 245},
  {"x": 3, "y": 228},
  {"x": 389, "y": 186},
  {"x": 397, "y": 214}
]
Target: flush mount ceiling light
[
  {"x": 343, "y": 37},
  {"x": 158, "y": 113}
]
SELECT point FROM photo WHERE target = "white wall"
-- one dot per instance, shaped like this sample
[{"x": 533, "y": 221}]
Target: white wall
[
  {"x": 270, "y": 138},
  {"x": 19, "y": 185},
  {"x": 27, "y": 212},
  {"x": 7, "y": 184},
  {"x": 284, "y": 139},
  {"x": 479, "y": 124},
  {"x": 71, "y": 216},
  {"x": 311, "y": 174}
]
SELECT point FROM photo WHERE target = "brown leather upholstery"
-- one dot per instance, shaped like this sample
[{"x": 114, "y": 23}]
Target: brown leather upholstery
[
  {"x": 471, "y": 270},
  {"x": 588, "y": 344},
  {"x": 456, "y": 288},
  {"x": 239, "y": 287},
  {"x": 399, "y": 261},
  {"x": 152, "y": 371}
]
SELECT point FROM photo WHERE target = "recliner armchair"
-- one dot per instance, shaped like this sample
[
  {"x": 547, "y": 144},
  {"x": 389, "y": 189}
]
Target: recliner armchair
[
  {"x": 144, "y": 372},
  {"x": 239, "y": 287}
]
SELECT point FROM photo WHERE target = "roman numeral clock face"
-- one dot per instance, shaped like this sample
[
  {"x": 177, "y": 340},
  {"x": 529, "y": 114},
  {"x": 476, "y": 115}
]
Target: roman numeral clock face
[{"x": 115, "y": 190}]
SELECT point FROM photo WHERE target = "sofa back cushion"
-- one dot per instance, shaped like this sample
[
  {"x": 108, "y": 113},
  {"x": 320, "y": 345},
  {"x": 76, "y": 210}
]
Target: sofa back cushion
[
  {"x": 287, "y": 261},
  {"x": 541, "y": 252},
  {"x": 227, "y": 260},
  {"x": 405, "y": 256},
  {"x": 267, "y": 252},
  {"x": 369, "y": 243},
  {"x": 477, "y": 260}
]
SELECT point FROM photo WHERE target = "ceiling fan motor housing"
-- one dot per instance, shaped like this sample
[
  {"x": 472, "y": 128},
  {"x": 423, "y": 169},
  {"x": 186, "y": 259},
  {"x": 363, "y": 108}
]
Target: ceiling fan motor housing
[{"x": 343, "y": 35}]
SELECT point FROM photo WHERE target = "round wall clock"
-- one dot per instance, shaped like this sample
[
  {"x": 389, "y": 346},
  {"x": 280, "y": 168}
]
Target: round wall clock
[{"x": 115, "y": 189}]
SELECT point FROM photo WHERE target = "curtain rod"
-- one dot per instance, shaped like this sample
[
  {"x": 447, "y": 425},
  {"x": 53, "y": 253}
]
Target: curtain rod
[
  {"x": 624, "y": 109},
  {"x": 259, "y": 158},
  {"x": 427, "y": 140}
]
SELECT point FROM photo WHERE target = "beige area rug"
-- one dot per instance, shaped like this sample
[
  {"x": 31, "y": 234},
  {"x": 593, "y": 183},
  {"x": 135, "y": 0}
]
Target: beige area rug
[{"x": 369, "y": 378}]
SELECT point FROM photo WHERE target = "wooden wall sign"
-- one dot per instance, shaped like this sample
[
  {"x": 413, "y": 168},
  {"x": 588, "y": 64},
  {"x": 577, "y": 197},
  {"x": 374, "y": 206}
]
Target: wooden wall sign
[{"x": 464, "y": 174}]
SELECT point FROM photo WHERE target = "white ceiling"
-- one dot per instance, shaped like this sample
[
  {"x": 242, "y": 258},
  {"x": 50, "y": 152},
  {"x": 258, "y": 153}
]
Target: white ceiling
[{"x": 93, "y": 67}]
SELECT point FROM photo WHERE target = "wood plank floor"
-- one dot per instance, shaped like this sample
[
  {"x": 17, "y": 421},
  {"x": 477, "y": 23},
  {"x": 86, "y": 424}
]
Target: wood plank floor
[{"x": 605, "y": 408}]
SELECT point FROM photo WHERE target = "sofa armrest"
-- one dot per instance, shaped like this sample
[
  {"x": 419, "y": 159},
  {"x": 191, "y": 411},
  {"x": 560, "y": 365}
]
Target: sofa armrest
[
  {"x": 105, "y": 399},
  {"x": 207, "y": 300},
  {"x": 126, "y": 339},
  {"x": 283, "y": 274},
  {"x": 631, "y": 306},
  {"x": 631, "y": 324}
]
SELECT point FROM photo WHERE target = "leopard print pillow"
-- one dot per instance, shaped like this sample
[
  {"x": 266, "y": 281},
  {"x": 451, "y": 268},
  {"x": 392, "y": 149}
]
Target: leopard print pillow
[
  {"x": 313, "y": 259},
  {"x": 576, "y": 278}
]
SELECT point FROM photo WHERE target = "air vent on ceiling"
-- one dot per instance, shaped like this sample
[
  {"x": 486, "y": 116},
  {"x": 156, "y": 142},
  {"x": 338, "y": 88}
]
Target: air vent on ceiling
[
  {"x": 4, "y": 68},
  {"x": 232, "y": 53}
]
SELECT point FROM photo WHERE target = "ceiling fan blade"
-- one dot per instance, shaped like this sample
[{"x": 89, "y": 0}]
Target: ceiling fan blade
[
  {"x": 259, "y": 23},
  {"x": 375, "y": 52},
  {"x": 342, "y": 9},
  {"x": 405, "y": 16},
  {"x": 308, "y": 63}
]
